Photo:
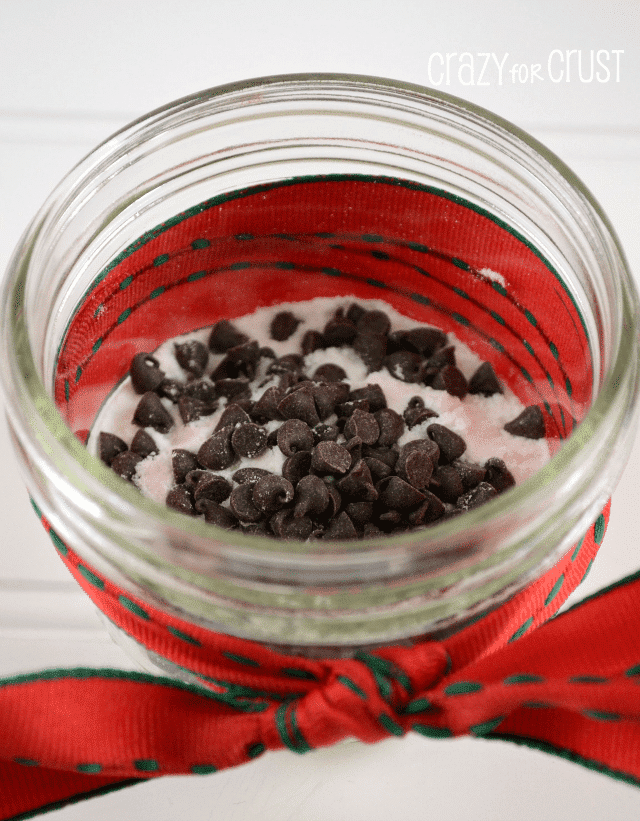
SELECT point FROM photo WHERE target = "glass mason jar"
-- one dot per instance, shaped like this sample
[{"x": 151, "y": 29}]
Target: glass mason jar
[{"x": 285, "y": 188}]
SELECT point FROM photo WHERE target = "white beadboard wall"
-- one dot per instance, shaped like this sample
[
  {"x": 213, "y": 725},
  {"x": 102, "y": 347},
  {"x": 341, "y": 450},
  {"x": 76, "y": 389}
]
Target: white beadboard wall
[{"x": 73, "y": 72}]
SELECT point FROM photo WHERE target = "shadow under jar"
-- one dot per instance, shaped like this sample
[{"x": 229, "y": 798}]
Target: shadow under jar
[{"x": 284, "y": 189}]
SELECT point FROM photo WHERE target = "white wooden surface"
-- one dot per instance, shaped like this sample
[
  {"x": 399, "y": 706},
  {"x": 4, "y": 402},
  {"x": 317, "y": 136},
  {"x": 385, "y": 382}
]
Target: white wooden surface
[{"x": 71, "y": 72}]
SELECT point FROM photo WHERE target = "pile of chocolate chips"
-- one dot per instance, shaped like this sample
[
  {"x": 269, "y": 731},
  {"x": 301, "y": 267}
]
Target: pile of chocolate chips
[{"x": 344, "y": 475}]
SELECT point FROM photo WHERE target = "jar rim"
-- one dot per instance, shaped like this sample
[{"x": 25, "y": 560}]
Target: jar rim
[{"x": 619, "y": 389}]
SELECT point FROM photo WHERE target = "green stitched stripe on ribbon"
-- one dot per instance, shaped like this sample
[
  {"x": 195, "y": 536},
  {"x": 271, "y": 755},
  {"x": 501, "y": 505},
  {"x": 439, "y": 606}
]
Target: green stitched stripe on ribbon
[
  {"x": 390, "y": 725},
  {"x": 183, "y": 636},
  {"x": 58, "y": 543},
  {"x": 132, "y": 607},
  {"x": 351, "y": 685},
  {"x": 91, "y": 577},
  {"x": 146, "y": 765},
  {"x": 522, "y": 629},
  {"x": 256, "y": 749},
  {"x": 432, "y": 732},
  {"x": 203, "y": 769},
  {"x": 89, "y": 768},
  {"x": 601, "y": 715},
  {"x": 463, "y": 688},
  {"x": 240, "y": 659},
  {"x": 554, "y": 590},
  {"x": 523, "y": 678},
  {"x": 485, "y": 727}
]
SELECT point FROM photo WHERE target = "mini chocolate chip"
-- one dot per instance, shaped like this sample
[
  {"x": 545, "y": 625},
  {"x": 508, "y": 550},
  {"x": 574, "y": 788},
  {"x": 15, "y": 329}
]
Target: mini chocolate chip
[
  {"x": 249, "y": 476},
  {"x": 272, "y": 492},
  {"x": 371, "y": 349},
  {"x": 424, "y": 341},
  {"x": 442, "y": 357},
  {"x": 447, "y": 484},
  {"x": 109, "y": 446},
  {"x": 397, "y": 494},
  {"x": 285, "y": 526},
  {"x": 358, "y": 483},
  {"x": 311, "y": 497},
  {"x": 529, "y": 424},
  {"x": 484, "y": 492},
  {"x": 387, "y": 455},
  {"x": 417, "y": 469},
  {"x": 312, "y": 341},
  {"x": 470, "y": 474},
  {"x": 498, "y": 474},
  {"x": 429, "y": 511},
  {"x": 404, "y": 365},
  {"x": 192, "y": 356},
  {"x": 211, "y": 486},
  {"x": 335, "y": 499},
  {"x": 191, "y": 409},
  {"x": 345, "y": 409},
  {"x": 415, "y": 413},
  {"x": 216, "y": 452},
  {"x": 171, "y": 389},
  {"x": 330, "y": 457},
  {"x": 193, "y": 477},
  {"x": 451, "y": 444},
  {"x": 373, "y": 394},
  {"x": 329, "y": 372},
  {"x": 266, "y": 408},
  {"x": 371, "y": 531},
  {"x": 232, "y": 416},
  {"x": 379, "y": 470},
  {"x": 374, "y": 322},
  {"x": 179, "y": 498},
  {"x": 325, "y": 433},
  {"x": 485, "y": 381},
  {"x": 145, "y": 373},
  {"x": 242, "y": 504},
  {"x": 283, "y": 325},
  {"x": 235, "y": 389},
  {"x": 426, "y": 446},
  {"x": 202, "y": 389},
  {"x": 451, "y": 380},
  {"x": 151, "y": 413},
  {"x": 359, "y": 512},
  {"x": 355, "y": 312},
  {"x": 389, "y": 519},
  {"x": 296, "y": 466},
  {"x": 391, "y": 426},
  {"x": 143, "y": 444},
  {"x": 327, "y": 395},
  {"x": 243, "y": 358},
  {"x": 289, "y": 363},
  {"x": 224, "y": 335},
  {"x": 414, "y": 418},
  {"x": 339, "y": 331},
  {"x": 354, "y": 446},
  {"x": 249, "y": 439},
  {"x": 340, "y": 528},
  {"x": 294, "y": 435},
  {"x": 364, "y": 425},
  {"x": 125, "y": 464},
  {"x": 182, "y": 462},
  {"x": 215, "y": 514},
  {"x": 267, "y": 353},
  {"x": 300, "y": 404}
]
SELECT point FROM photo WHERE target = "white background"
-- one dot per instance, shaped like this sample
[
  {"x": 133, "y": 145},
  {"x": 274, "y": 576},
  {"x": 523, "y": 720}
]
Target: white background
[{"x": 72, "y": 72}]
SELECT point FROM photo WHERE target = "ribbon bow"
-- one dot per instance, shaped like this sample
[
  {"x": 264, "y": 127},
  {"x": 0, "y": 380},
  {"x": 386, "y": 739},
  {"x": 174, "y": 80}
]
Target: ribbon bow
[{"x": 571, "y": 686}]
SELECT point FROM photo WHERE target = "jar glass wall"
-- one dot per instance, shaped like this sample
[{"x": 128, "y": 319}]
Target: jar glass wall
[{"x": 465, "y": 222}]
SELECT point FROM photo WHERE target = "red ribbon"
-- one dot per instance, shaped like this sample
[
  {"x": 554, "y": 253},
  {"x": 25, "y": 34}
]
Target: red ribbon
[{"x": 570, "y": 686}]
